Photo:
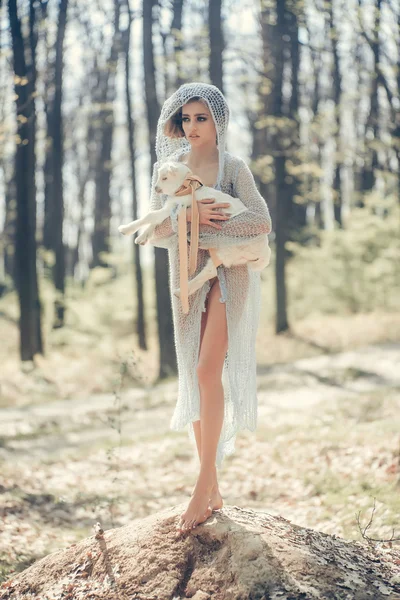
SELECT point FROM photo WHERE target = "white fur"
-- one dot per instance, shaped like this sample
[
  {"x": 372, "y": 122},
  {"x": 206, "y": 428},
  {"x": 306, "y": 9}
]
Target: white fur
[{"x": 170, "y": 178}]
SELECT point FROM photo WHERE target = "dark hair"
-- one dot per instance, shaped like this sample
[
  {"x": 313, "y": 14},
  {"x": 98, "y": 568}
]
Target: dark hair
[{"x": 173, "y": 127}]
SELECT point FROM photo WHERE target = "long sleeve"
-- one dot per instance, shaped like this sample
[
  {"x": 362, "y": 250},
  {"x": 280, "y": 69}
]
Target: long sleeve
[
  {"x": 166, "y": 232},
  {"x": 246, "y": 226}
]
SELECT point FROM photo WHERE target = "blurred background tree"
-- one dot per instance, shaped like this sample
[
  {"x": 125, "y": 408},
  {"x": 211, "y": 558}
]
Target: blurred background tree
[{"x": 314, "y": 91}]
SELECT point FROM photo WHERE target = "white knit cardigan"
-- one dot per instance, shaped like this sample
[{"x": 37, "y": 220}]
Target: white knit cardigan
[{"x": 241, "y": 293}]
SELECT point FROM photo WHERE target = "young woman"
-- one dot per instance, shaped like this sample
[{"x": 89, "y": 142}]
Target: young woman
[{"x": 215, "y": 341}]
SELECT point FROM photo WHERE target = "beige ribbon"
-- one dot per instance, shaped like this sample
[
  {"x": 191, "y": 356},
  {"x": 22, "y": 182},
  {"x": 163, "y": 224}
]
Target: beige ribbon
[{"x": 190, "y": 185}]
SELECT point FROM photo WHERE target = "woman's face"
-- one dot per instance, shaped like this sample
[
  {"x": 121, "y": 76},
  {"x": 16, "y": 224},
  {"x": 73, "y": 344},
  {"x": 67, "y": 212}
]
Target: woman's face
[{"x": 198, "y": 124}]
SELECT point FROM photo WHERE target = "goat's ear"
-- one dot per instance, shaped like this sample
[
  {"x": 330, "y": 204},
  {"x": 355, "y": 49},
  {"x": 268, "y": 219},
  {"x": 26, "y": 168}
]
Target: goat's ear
[{"x": 172, "y": 168}]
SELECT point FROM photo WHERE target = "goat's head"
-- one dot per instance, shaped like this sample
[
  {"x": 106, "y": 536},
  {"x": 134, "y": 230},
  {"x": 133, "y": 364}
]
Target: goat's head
[{"x": 171, "y": 175}]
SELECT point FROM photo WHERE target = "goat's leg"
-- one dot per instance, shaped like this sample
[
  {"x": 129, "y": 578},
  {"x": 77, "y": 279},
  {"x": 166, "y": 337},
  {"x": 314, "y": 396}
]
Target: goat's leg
[
  {"x": 145, "y": 235},
  {"x": 154, "y": 217},
  {"x": 196, "y": 283}
]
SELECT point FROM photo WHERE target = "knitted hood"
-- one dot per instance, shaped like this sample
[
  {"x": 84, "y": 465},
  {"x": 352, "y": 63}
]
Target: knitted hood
[{"x": 167, "y": 146}]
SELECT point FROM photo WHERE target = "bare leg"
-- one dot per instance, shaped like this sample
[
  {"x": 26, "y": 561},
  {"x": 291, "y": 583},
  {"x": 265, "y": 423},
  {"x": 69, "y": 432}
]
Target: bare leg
[
  {"x": 209, "y": 370},
  {"x": 216, "y": 501}
]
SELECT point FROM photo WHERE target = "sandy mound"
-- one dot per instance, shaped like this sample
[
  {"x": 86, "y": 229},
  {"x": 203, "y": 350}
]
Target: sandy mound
[{"x": 236, "y": 554}]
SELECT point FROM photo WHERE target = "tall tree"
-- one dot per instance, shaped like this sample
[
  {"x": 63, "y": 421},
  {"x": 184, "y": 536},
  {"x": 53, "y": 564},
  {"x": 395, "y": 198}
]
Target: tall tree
[
  {"x": 337, "y": 97},
  {"x": 176, "y": 32},
  {"x": 126, "y": 42},
  {"x": 167, "y": 363},
  {"x": 296, "y": 208},
  {"x": 83, "y": 159},
  {"x": 58, "y": 161},
  {"x": 172, "y": 37},
  {"x": 393, "y": 97},
  {"x": 372, "y": 124},
  {"x": 273, "y": 30},
  {"x": 314, "y": 142},
  {"x": 7, "y": 239},
  {"x": 54, "y": 159},
  {"x": 48, "y": 168},
  {"x": 105, "y": 131},
  {"x": 216, "y": 43},
  {"x": 7, "y": 176},
  {"x": 25, "y": 239},
  {"x": 282, "y": 191}
]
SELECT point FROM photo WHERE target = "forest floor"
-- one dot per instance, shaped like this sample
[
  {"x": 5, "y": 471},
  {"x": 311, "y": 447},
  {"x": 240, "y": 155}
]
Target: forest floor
[
  {"x": 326, "y": 449},
  {"x": 84, "y": 430}
]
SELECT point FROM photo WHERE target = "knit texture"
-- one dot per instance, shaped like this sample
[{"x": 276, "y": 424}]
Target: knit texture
[{"x": 242, "y": 286}]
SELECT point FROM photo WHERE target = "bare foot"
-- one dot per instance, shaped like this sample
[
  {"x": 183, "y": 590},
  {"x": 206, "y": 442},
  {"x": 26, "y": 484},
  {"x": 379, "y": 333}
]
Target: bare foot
[
  {"x": 216, "y": 501},
  {"x": 198, "y": 509}
]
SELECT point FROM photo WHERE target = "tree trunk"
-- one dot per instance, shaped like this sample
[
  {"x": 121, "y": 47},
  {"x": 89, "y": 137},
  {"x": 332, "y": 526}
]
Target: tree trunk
[
  {"x": 297, "y": 211},
  {"x": 391, "y": 97},
  {"x": 176, "y": 32},
  {"x": 240, "y": 554},
  {"x": 216, "y": 43},
  {"x": 48, "y": 169},
  {"x": 83, "y": 174},
  {"x": 372, "y": 124},
  {"x": 314, "y": 204},
  {"x": 57, "y": 163},
  {"x": 8, "y": 233},
  {"x": 107, "y": 93},
  {"x": 281, "y": 322},
  {"x": 337, "y": 97},
  {"x": 272, "y": 32},
  {"x": 82, "y": 182},
  {"x": 140, "y": 319},
  {"x": 25, "y": 244},
  {"x": 168, "y": 364}
]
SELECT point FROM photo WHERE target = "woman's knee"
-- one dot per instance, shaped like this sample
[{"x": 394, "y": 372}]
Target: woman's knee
[{"x": 208, "y": 372}]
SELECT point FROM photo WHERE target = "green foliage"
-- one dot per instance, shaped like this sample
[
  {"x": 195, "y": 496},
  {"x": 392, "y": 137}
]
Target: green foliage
[{"x": 356, "y": 268}]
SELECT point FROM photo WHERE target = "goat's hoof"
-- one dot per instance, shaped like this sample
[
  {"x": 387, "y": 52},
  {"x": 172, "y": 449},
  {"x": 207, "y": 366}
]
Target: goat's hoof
[
  {"x": 123, "y": 229},
  {"x": 142, "y": 240}
]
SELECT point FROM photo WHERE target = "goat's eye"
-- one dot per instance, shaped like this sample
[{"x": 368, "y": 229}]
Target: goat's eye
[{"x": 164, "y": 179}]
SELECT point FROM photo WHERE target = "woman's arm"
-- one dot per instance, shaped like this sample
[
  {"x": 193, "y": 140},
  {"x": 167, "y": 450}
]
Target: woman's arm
[{"x": 246, "y": 226}]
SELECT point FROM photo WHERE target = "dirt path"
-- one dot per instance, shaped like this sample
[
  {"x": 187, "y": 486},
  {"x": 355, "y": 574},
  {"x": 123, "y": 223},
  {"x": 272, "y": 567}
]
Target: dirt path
[{"x": 54, "y": 427}]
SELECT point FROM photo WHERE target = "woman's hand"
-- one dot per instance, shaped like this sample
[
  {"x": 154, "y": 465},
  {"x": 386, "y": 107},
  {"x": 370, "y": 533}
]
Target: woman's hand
[{"x": 207, "y": 212}]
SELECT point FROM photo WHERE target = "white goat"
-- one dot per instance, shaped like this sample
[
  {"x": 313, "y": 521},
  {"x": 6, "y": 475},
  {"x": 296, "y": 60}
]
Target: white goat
[{"x": 171, "y": 176}]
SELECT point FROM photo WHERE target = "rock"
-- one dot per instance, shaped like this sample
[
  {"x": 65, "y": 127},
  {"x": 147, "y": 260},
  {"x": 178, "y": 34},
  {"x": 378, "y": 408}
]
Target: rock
[
  {"x": 200, "y": 595},
  {"x": 236, "y": 554}
]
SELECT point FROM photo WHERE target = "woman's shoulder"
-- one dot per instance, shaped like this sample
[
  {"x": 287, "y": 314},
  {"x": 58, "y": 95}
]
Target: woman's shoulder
[
  {"x": 234, "y": 163},
  {"x": 229, "y": 158},
  {"x": 233, "y": 159}
]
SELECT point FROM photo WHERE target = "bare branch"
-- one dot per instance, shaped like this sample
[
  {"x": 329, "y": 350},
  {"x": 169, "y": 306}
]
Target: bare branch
[{"x": 363, "y": 532}]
